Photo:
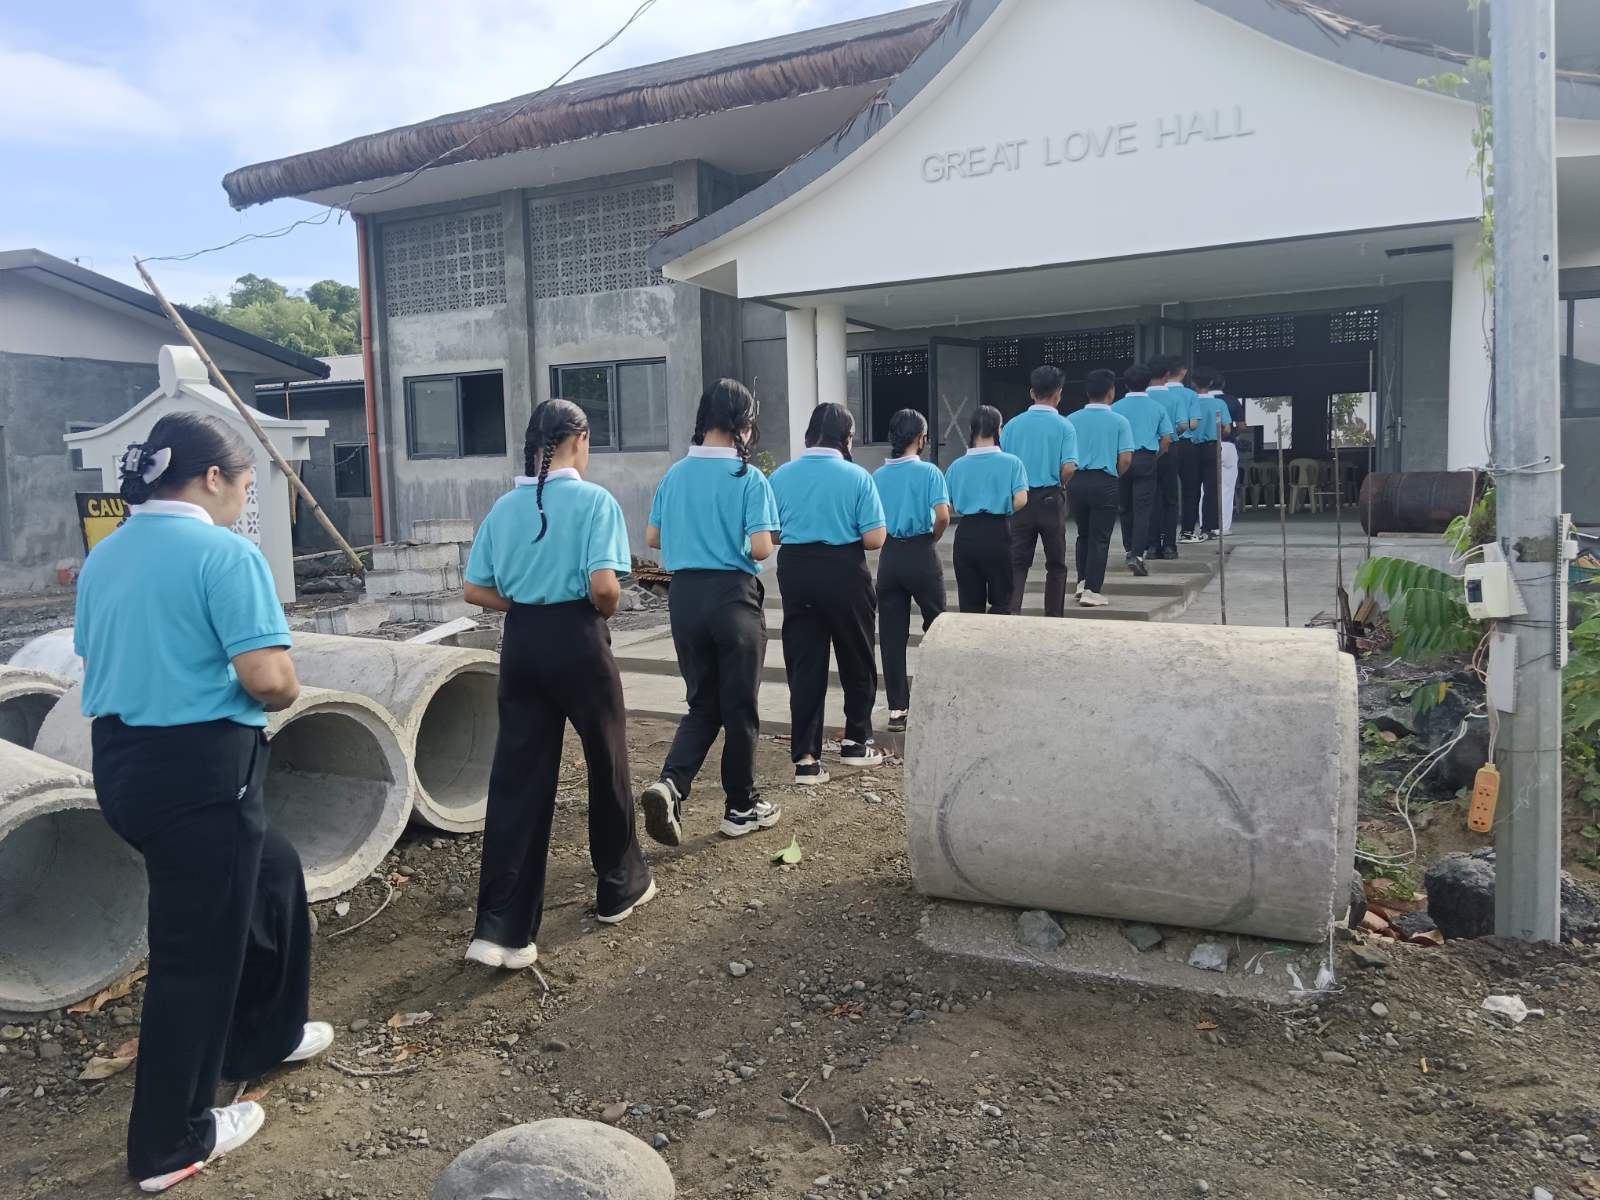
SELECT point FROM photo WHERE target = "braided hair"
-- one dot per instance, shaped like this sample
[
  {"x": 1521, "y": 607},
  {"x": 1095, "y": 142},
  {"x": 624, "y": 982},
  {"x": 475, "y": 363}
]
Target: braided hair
[
  {"x": 553, "y": 422},
  {"x": 182, "y": 446},
  {"x": 986, "y": 422},
  {"x": 831, "y": 427},
  {"x": 905, "y": 427},
  {"x": 728, "y": 406}
]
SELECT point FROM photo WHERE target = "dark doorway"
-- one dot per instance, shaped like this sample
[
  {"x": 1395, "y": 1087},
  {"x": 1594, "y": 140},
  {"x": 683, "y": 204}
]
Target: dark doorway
[{"x": 1009, "y": 361}]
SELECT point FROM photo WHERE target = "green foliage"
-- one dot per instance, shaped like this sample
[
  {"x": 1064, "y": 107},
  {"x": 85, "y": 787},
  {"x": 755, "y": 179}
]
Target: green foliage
[
  {"x": 1426, "y": 611},
  {"x": 1476, "y": 528},
  {"x": 1429, "y": 696},
  {"x": 1453, "y": 83},
  {"x": 1349, "y": 428},
  {"x": 326, "y": 320},
  {"x": 1379, "y": 746},
  {"x": 765, "y": 462},
  {"x": 1580, "y": 717}
]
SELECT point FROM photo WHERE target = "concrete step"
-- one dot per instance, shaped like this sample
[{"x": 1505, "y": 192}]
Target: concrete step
[
  {"x": 404, "y": 556},
  {"x": 415, "y": 581}
]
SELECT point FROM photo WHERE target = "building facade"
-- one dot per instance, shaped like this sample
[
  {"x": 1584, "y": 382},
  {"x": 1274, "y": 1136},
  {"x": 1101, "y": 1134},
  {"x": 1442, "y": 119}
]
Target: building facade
[{"x": 915, "y": 210}]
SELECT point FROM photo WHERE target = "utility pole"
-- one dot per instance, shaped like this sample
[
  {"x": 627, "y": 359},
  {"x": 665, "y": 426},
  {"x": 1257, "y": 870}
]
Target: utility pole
[{"x": 1527, "y": 459}]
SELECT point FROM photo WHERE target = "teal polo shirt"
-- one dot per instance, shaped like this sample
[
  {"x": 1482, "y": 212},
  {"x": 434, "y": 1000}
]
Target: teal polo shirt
[
  {"x": 1045, "y": 442},
  {"x": 164, "y": 606},
  {"x": 985, "y": 480},
  {"x": 910, "y": 489},
  {"x": 1147, "y": 417},
  {"x": 586, "y": 533},
  {"x": 1102, "y": 436},
  {"x": 1185, "y": 400},
  {"x": 822, "y": 499},
  {"x": 1171, "y": 403},
  {"x": 1213, "y": 413},
  {"x": 706, "y": 512}
]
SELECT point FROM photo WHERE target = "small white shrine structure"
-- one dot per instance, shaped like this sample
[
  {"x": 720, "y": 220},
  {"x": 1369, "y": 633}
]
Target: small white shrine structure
[{"x": 185, "y": 387}]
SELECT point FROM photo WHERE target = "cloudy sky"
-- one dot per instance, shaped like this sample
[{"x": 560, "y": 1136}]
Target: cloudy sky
[{"x": 118, "y": 118}]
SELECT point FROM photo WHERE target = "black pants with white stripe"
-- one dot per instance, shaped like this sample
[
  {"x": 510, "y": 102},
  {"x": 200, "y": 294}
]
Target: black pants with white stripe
[
  {"x": 828, "y": 601},
  {"x": 555, "y": 667},
  {"x": 908, "y": 569},
  {"x": 230, "y": 934},
  {"x": 719, "y": 630},
  {"x": 982, "y": 559}
]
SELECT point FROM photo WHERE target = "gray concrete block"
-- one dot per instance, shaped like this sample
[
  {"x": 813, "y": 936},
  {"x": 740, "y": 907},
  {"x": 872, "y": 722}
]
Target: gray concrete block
[
  {"x": 557, "y": 1159},
  {"x": 443, "y": 529},
  {"x": 350, "y": 618},
  {"x": 72, "y": 919},
  {"x": 432, "y": 608},
  {"x": 401, "y": 556},
  {"x": 413, "y": 581},
  {"x": 1165, "y": 804}
]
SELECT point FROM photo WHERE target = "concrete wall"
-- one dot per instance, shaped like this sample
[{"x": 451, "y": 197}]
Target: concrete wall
[
  {"x": 345, "y": 411},
  {"x": 40, "y": 396}
]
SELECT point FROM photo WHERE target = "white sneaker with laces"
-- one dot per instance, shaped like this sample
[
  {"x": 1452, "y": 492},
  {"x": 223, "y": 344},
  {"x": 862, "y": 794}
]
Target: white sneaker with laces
[
  {"x": 761, "y": 815},
  {"x": 235, "y": 1125},
  {"x": 1092, "y": 600},
  {"x": 491, "y": 955},
  {"x": 619, "y": 918},
  {"x": 1082, "y": 587},
  {"x": 860, "y": 754},
  {"x": 316, "y": 1038}
]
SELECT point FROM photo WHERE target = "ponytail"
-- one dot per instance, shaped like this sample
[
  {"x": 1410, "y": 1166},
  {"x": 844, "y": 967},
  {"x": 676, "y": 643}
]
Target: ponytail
[
  {"x": 182, "y": 446},
  {"x": 552, "y": 423},
  {"x": 728, "y": 406},
  {"x": 905, "y": 427}
]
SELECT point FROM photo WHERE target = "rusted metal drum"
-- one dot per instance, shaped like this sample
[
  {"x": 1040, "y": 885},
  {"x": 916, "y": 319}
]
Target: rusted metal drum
[{"x": 1415, "y": 501}]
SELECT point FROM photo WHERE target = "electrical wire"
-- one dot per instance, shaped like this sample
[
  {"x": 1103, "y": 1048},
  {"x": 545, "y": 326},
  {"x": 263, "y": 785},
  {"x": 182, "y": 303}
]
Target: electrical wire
[
  {"x": 1408, "y": 784},
  {"x": 330, "y": 212}
]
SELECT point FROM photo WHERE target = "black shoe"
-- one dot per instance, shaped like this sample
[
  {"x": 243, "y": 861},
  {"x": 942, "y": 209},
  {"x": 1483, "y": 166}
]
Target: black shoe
[
  {"x": 1170, "y": 552},
  {"x": 810, "y": 774},
  {"x": 860, "y": 754},
  {"x": 1137, "y": 566},
  {"x": 760, "y": 815},
  {"x": 663, "y": 812},
  {"x": 897, "y": 722}
]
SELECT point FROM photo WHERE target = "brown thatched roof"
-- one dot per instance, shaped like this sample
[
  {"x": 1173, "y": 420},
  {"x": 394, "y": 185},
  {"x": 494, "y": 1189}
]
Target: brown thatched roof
[{"x": 852, "y": 54}]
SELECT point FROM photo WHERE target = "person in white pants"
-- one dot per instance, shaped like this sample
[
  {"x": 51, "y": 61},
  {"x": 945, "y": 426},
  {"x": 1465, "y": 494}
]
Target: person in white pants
[{"x": 1209, "y": 381}]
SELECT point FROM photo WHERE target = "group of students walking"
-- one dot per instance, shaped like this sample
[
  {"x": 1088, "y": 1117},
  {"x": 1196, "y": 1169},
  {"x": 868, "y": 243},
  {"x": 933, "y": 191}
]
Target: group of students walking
[{"x": 186, "y": 650}]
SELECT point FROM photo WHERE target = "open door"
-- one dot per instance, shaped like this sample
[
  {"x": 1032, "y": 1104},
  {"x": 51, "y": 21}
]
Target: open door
[
  {"x": 1390, "y": 422},
  {"x": 955, "y": 375}
]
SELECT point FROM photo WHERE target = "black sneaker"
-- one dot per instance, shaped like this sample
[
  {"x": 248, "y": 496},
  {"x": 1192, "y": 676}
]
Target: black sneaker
[
  {"x": 860, "y": 754},
  {"x": 760, "y": 816},
  {"x": 663, "y": 812},
  {"x": 810, "y": 774},
  {"x": 1137, "y": 566},
  {"x": 1170, "y": 553},
  {"x": 897, "y": 722},
  {"x": 1190, "y": 537}
]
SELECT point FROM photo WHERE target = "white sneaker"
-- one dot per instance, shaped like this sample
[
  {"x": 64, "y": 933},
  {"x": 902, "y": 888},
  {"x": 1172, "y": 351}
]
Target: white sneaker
[
  {"x": 1082, "y": 587},
  {"x": 619, "y": 918},
  {"x": 491, "y": 955},
  {"x": 235, "y": 1126},
  {"x": 1092, "y": 599},
  {"x": 663, "y": 812},
  {"x": 760, "y": 815},
  {"x": 1192, "y": 539},
  {"x": 810, "y": 774},
  {"x": 860, "y": 754},
  {"x": 318, "y": 1036}
]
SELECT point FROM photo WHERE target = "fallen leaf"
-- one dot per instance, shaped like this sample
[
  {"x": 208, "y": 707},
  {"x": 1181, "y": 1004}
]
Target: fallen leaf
[
  {"x": 104, "y": 1068},
  {"x": 1428, "y": 937},
  {"x": 257, "y": 1094},
  {"x": 1373, "y": 923},
  {"x": 116, "y": 991},
  {"x": 789, "y": 854},
  {"x": 1205, "y": 1025},
  {"x": 1389, "y": 735},
  {"x": 128, "y": 1049},
  {"x": 1377, "y": 889},
  {"x": 407, "y": 1020}
]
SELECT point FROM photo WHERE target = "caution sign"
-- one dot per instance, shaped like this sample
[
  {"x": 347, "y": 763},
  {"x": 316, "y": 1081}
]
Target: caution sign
[{"x": 100, "y": 514}]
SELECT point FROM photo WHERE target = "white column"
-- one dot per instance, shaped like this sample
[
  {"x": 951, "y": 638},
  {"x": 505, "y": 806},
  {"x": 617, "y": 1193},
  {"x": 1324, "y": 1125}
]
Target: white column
[
  {"x": 832, "y": 385},
  {"x": 800, "y": 328},
  {"x": 1469, "y": 360}
]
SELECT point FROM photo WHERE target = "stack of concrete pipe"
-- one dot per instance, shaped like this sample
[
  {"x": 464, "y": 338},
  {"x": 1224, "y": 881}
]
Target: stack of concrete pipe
[
  {"x": 26, "y": 699},
  {"x": 1189, "y": 775}
]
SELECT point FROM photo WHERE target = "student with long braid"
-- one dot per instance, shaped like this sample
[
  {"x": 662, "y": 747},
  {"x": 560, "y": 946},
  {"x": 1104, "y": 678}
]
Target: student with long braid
[
  {"x": 713, "y": 519},
  {"x": 916, "y": 504},
  {"x": 548, "y": 556}
]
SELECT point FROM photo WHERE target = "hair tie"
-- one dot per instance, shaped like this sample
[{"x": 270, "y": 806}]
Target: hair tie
[{"x": 148, "y": 465}]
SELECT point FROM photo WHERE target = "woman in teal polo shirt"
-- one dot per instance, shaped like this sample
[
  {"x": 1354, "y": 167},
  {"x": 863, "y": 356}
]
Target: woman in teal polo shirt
[
  {"x": 831, "y": 516},
  {"x": 987, "y": 485},
  {"x": 548, "y": 556},
  {"x": 185, "y": 650},
  {"x": 713, "y": 518},
  {"x": 916, "y": 505}
]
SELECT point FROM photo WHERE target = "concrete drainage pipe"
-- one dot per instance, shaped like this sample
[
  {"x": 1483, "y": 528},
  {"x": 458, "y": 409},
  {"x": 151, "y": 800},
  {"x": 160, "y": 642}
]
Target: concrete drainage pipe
[
  {"x": 53, "y": 654},
  {"x": 444, "y": 700},
  {"x": 26, "y": 698},
  {"x": 1187, "y": 775},
  {"x": 72, "y": 893},
  {"x": 339, "y": 786}
]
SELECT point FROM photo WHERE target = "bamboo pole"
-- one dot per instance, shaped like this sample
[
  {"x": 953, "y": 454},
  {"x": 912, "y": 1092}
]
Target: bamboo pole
[{"x": 278, "y": 460}]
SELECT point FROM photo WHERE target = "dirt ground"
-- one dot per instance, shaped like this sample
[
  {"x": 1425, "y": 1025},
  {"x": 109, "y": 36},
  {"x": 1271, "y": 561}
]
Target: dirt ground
[{"x": 939, "y": 1077}]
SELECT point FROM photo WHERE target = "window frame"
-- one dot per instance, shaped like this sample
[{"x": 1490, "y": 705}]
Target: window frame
[
  {"x": 455, "y": 379},
  {"x": 75, "y": 453},
  {"x": 366, "y": 472},
  {"x": 613, "y": 400},
  {"x": 1569, "y": 332},
  {"x": 864, "y": 427}
]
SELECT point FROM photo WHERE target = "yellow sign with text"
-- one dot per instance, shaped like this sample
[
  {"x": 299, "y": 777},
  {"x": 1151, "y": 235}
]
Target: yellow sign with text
[{"x": 100, "y": 514}]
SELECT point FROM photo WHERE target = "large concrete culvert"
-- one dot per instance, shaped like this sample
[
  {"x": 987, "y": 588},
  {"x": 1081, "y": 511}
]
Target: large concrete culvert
[
  {"x": 26, "y": 698},
  {"x": 72, "y": 893},
  {"x": 53, "y": 653},
  {"x": 443, "y": 699},
  {"x": 1190, "y": 775},
  {"x": 339, "y": 786}
]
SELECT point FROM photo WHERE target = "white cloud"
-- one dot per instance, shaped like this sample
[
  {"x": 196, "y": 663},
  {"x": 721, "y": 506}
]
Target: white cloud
[{"x": 48, "y": 99}]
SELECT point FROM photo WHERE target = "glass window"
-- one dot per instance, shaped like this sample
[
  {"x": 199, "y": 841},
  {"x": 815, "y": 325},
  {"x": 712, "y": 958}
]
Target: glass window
[
  {"x": 642, "y": 405},
  {"x": 1580, "y": 369},
  {"x": 1350, "y": 419},
  {"x": 483, "y": 415},
  {"x": 350, "y": 477},
  {"x": 75, "y": 455},
  {"x": 855, "y": 394},
  {"x": 590, "y": 389},
  {"x": 1265, "y": 411},
  {"x": 433, "y": 419}
]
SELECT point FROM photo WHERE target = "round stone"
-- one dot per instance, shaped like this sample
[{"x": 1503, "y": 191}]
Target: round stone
[{"x": 558, "y": 1159}]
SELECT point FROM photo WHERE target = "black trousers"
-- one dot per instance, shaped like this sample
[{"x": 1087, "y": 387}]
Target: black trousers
[
  {"x": 1094, "y": 511},
  {"x": 555, "y": 667},
  {"x": 1136, "y": 501},
  {"x": 1167, "y": 505},
  {"x": 230, "y": 934},
  {"x": 1210, "y": 484},
  {"x": 908, "y": 569},
  {"x": 719, "y": 629},
  {"x": 982, "y": 560},
  {"x": 1043, "y": 518},
  {"x": 1199, "y": 466},
  {"x": 828, "y": 600}
]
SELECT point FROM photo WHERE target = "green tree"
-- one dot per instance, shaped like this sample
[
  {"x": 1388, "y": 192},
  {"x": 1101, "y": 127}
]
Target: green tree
[
  {"x": 338, "y": 298},
  {"x": 254, "y": 289},
  {"x": 324, "y": 321}
]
